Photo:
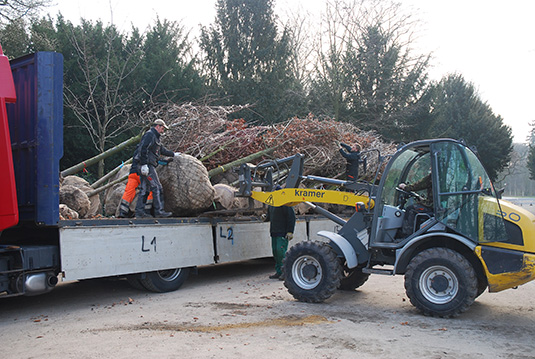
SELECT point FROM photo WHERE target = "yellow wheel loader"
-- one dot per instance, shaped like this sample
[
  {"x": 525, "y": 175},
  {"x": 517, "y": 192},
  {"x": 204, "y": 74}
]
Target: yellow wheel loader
[{"x": 451, "y": 240}]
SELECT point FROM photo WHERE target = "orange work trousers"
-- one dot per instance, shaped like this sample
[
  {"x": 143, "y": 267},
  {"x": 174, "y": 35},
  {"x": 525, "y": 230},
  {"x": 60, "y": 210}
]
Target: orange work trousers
[{"x": 130, "y": 191}]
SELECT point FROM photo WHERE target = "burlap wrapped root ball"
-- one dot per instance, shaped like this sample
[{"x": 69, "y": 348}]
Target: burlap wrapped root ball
[
  {"x": 224, "y": 196},
  {"x": 74, "y": 198},
  {"x": 186, "y": 186},
  {"x": 226, "y": 177},
  {"x": 66, "y": 213},
  {"x": 82, "y": 184},
  {"x": 113, "y": 195},
  {"x": 113, "y": 199}
]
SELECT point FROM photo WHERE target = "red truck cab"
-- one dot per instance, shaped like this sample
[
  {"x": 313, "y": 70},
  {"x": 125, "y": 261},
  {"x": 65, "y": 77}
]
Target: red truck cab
[{"x": 9, "y": 214}]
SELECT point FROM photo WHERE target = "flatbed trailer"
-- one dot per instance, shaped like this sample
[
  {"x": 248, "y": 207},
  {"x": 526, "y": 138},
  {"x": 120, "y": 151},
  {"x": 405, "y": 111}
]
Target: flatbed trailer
[
  {"x": 157, "y": 255},
  {"x": 104, "y": 248},
  {"x": 37, "y": 248}
]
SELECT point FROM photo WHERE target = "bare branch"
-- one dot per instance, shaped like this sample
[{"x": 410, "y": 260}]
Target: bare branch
[{"x": 11, "y": 10}]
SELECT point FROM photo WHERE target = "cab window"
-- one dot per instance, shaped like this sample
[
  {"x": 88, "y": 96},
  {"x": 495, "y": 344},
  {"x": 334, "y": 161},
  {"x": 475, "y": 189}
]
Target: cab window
[
  {"x": 409, "y": 167},
  {"x": 467, "y": 201}
]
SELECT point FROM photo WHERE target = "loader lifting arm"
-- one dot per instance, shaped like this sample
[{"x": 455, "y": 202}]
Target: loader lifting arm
[{"x": 266, "y": 175}]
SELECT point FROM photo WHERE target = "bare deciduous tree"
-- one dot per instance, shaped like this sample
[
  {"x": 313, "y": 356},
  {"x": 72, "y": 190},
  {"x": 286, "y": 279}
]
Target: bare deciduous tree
[
  {"x": 301, "y": 44},
  {"x": 367, "y": 71},
  {"x": 97, "y": 98},
  {"x": 11, "y": 10}
]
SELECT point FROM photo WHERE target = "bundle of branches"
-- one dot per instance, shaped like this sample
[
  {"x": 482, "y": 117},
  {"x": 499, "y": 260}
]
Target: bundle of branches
[
  {"x": 238, "y": 140},
  {"x": 319, "y": 141},
  {"x": 204, "y": 132}
]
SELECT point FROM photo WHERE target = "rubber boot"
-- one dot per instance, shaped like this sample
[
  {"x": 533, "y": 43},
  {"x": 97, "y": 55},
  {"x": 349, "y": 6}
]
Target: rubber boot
[
  {"x": 157, "y": 205},
  {"x": 163, "y": 214}
]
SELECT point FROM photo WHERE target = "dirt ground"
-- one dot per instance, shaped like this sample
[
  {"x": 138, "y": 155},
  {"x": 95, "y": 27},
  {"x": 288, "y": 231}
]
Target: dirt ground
[{"x": 235, "y": 311}]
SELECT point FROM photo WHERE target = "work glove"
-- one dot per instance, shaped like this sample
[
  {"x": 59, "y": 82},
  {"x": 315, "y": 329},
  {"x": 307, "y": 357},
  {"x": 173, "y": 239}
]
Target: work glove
[
  {"x": 263, "y": 217},
  {"x": 145, "y": 170},
  {"x": 177, "y": 154},
  {"x": 402, "y": 186},
  {"x": 289, "y": 236}
]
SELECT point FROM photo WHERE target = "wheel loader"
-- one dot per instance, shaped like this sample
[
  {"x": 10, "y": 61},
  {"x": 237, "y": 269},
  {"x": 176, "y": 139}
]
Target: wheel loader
[{"x": 466, "y": 241}]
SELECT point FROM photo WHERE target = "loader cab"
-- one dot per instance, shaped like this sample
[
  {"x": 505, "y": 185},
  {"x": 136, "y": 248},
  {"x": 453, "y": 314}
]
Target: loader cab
[{"x": 461, "y": 199}]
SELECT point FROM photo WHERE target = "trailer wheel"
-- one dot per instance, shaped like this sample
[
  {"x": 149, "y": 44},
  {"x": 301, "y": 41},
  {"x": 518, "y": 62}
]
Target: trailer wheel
[
  {"x": 312, "y": 271},
  {"x": 352, "y": 278},
  {"x": 441, "y": 282},
  {"x": 135, "y": 281},
  {"x": 164, "y": 280}
]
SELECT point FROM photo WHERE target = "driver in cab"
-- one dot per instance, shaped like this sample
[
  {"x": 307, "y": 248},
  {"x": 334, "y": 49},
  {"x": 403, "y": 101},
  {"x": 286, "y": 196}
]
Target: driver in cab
[
  {"x": 424, "y": 205},
  {"x": 424, "y": 183}
]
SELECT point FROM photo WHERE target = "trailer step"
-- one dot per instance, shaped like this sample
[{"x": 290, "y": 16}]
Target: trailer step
[{"x": 378, "y": 271}]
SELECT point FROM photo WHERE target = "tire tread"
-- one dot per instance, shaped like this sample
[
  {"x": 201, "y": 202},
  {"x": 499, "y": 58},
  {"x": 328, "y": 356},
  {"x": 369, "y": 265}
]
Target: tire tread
[
  {"x": 154, "y": 283},
  {"x": 468, "y": 284},
  {"x": 331, "y": 269}
]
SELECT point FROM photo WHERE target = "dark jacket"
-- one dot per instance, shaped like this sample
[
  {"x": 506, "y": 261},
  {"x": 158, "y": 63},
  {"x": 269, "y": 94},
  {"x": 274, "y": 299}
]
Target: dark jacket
[
  {"x": 353, "y": 161},
  {"x": 135, "y": 161},
  {"x": 282, "y": 220},
  {"x": 150, "y": 149},
  {"x": 424, "y": 183}
]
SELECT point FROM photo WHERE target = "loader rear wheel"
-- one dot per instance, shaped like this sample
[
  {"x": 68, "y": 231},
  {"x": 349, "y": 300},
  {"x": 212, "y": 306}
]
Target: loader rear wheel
[
  {"x": 441, "y": 282},
  {"x": 164, "y": 280},
  {"x": 353, "y": 278},
  {"x": 312, "y": 271}
]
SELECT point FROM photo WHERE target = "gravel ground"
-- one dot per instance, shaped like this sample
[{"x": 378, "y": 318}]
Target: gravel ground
[{"x": 235, "y": 311}]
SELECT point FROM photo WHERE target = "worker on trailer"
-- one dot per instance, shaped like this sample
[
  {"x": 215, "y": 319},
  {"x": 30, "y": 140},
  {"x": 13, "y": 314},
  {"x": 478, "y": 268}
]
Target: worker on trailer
[
  {"x": 353, "y": 158},
  {"x": 130, "y": 190},
  {"x": 281, "y": 228},
  {"x": 150, "y": 149}
]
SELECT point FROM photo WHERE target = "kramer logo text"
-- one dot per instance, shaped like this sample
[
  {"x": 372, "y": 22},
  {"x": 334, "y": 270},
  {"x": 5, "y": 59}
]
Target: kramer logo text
[{"x": 305, "y": 193}]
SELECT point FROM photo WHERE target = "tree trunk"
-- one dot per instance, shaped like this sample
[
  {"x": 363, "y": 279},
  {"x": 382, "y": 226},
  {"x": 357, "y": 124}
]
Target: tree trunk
[
  {"x": 109, "y": 174},
  {"x": 228, "y": 166},
  {"x": 106, "y": 186},
  {"x": 89, "y": 162}
]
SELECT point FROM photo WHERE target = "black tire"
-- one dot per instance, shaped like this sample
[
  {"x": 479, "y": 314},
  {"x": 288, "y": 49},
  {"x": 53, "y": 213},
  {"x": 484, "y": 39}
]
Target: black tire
[
  {"x": 441, "y": 282},
  {"x": 134, "y": 281},
  {"x": 481, "y": 286},
  {"x": 164, "y": 280},
  {"x": 353, "y": 278},
  {"x": 312, "y": 271}
]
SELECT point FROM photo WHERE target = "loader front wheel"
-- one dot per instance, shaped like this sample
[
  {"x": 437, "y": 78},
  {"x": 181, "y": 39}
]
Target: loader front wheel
[
  {"x": 441, "y": 282},
  {"x": 312, "y": 271},
  {"x": 164, "y": 280}
]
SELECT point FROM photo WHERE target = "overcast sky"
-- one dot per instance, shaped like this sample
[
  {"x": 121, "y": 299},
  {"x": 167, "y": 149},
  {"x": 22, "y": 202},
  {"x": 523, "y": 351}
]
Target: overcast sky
[{"x": 490, "y": 42}]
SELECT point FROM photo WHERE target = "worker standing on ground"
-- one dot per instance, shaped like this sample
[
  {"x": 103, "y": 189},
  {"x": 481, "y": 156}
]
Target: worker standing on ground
[
  {"x": 281, "y": 228},
  {"x": 352, "y": 156},
  {"x": 150, "y": 149}
]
